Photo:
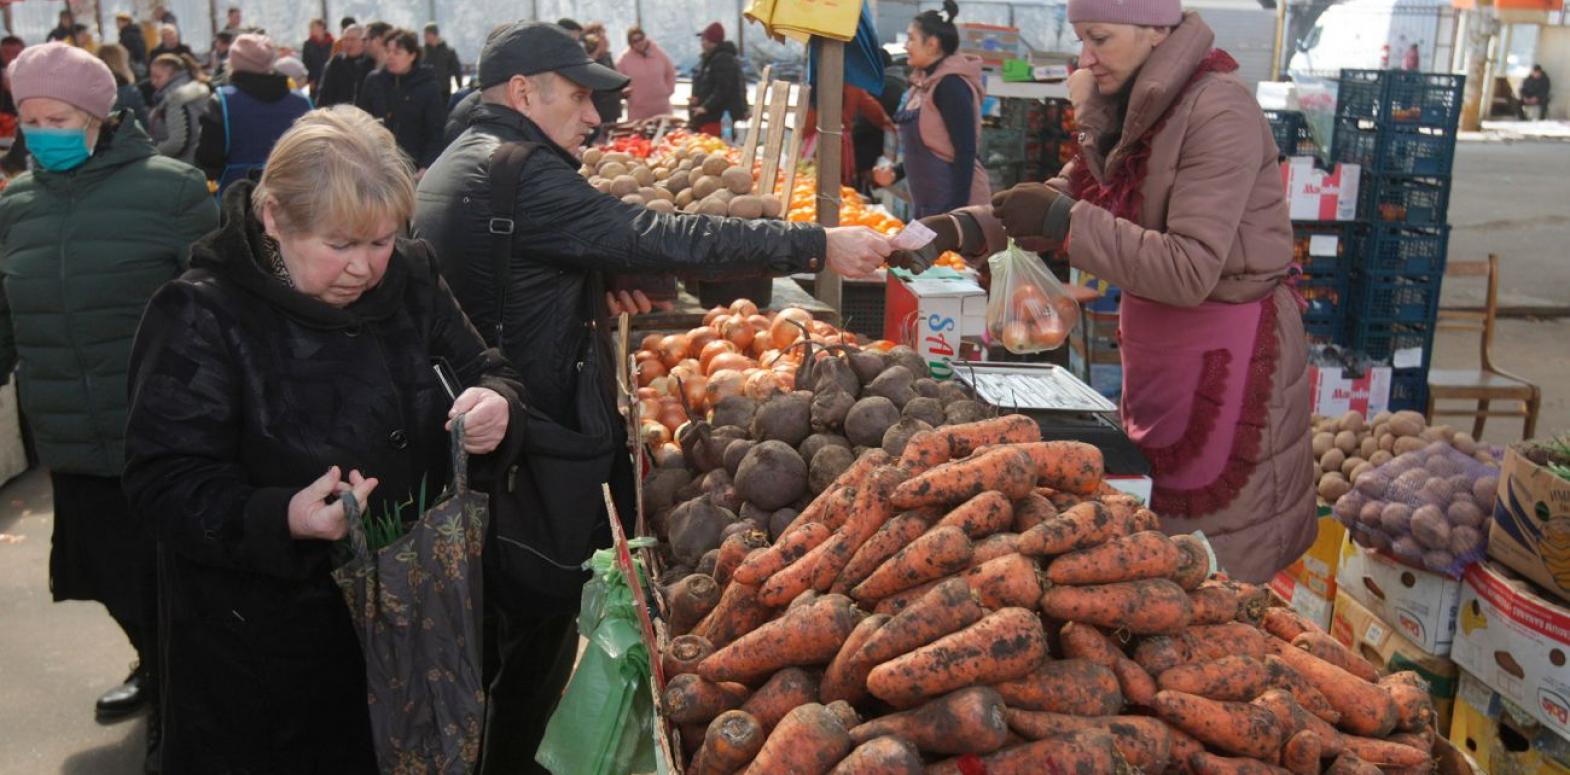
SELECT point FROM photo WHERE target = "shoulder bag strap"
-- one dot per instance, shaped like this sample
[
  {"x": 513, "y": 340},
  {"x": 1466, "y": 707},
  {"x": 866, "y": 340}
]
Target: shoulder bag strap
[{"x": 506, "y": 164}]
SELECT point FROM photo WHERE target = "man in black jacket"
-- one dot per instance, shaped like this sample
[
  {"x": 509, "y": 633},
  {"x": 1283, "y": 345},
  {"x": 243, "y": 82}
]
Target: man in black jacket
[
  {"x": 442, "y": 60},
  {"x": 536, "y": 84},
  {"x": 717, "y": 86},
  {"x": 346, "y": 72}
]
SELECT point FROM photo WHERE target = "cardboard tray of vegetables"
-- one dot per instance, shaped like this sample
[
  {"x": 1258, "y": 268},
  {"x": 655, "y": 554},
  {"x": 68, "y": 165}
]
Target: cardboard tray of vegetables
[{"x": 863, "y": 571}]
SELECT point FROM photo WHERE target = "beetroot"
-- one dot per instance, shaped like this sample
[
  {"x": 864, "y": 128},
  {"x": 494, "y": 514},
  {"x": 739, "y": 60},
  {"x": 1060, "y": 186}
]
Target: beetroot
[
  {"x": 894, "y": 384},
  {"x": 867, "y": 365},
  {"x": 829, "y": 407},
  {"x": 834, "y": 371},
  {"x": 928, "y": 410},
  {"x": 902, "y": 355},
  {"x": 827, "y": 466},
  {"x": 734, "y": 452},
  {"x": 898, "y": 434},
  {"x": 696, "y": 527},
  {"x": 735, "y": 410},
  {"x": 869, "y": 419},
  {"x": 771, "y": 476},
  {"x": 817, "y": 441},
  {"x": 786, "y": 417}
]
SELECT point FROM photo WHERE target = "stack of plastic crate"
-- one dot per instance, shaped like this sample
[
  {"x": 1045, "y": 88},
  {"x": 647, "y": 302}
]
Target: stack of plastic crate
[
  {"x": 1290, "y": 128},
  {"x": 1326, "y": 251},
  {"x": 1400, "y": 127}
]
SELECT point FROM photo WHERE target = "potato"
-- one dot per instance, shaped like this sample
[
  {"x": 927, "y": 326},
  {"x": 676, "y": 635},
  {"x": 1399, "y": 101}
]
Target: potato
[
  {"x": 647, "y": 193},
  {"x": 1380, "y": 418},
  {"x": 1466, "y": 542},
  {"x": 1405, "y": 444},
  {"x": 1465, "y": 513},
  {"x": 1360, "y": 469},
  {"x": 1346, "y": 441},
  {"x": 587, "y": 171},
  {"x": 601, "y": 185},
  {"x": 1464, "y": 443},
  {"x": 1332, "y": 460},
  {"x": 1387, "y": 441},
  {"x": 723, "y": 195},
  {"x": 663, "y": 193},
  {"x": 772, "y": 207},
  {"x": 1408, "y": 481},
  {"x": 1396, "y": 518},
  {"x": 1353, "y": 421},
  {"x": 1434, "y": 434},
  {"x": 1374, "y": 483},
  {"x": 643, "y": 175},
  {"x": 633, "y": 199},
  {"x": 593, "y": 156},
  {"x": 1367, "y": 446},
  {"x": 612, "y": 169},
  {"x": 662, "y": 173},
  {"x": 685, "y": 165},
  {"x": 702, "y": 187},
  {"x": 738, "y": 180},
  {"x": 1430, "y": 527},
  {"x": 1407, "y": 548},
  {"x": 746, "y": 207},
  {"x": 619, "y": 156},
  {"x": 715, "y": 164},
  {"x": 1407, "y": 423},
  {"x": 1369, "y": 514},
  {"x": 678, "y": 180},
  {"x": 683, "y": 198},
  {"x": 1485, "y": 491},
  {"x": 1439, "y": 560},
  {"x": 1349, "y": 465},
  {"x": 1323, "y": 442},
  {"x": 661, "y": 206},
  {"x": 711, "y": 207},
  {"x": 622, "y": 185},
  {"x": 1347, "y": 506},
  {"x": 1333, "y": 486},
  {"x": 1380, "y": 457}
]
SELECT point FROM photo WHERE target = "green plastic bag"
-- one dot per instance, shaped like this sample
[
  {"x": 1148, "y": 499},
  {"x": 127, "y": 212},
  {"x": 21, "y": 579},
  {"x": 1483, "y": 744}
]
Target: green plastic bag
[{"x": 605, "y": 722}]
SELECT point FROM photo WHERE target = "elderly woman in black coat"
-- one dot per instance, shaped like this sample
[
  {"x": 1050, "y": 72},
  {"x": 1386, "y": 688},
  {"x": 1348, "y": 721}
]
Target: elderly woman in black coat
[{"x": 293, "y": 363}]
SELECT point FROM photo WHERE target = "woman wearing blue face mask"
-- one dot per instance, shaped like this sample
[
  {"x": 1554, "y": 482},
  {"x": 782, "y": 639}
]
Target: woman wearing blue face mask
[{"x": 89, "y": 233}]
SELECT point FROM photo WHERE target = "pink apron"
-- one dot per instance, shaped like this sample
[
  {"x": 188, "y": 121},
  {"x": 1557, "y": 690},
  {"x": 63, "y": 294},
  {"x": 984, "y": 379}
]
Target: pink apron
[{"x": 1196, "y": 393}]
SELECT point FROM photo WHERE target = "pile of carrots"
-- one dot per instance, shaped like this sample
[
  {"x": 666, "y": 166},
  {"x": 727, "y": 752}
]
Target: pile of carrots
[{"x": 986, "y": 603}]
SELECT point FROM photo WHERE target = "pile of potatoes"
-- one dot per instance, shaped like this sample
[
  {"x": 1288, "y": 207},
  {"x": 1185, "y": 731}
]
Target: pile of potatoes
[
  {"x": 686, "y": 181},
  {"x": 1349, "y": 446}
]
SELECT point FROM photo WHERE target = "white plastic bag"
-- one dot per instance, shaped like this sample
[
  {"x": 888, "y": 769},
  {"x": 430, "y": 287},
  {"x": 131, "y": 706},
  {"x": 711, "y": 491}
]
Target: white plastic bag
[{"x": 1028, "y": 310}]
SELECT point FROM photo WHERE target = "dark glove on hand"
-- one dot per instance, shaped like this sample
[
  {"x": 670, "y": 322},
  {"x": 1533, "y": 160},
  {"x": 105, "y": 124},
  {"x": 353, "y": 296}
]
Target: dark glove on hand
[
  {"x": 1033, "y": 210},
  {"x": 947, "y": 239}
]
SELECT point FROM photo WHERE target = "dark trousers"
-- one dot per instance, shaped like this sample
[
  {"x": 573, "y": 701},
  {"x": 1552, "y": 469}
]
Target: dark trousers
[
  {"x": 100, "y": 552},
  {"x": 527, "y": 663}
]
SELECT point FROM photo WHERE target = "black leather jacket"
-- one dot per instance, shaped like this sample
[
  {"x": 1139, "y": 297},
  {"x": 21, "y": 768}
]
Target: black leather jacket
[{"x": 565, "y": 231}]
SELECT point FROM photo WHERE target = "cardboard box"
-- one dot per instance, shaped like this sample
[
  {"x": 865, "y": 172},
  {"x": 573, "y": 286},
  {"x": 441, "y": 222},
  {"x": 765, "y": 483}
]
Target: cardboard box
[
  {"x": 1360, "y": 630},
  {"x": 1301, "y": 599},
  {"x": 1518, "y": 642},
  {"x": 1531, "y": 532},
  {"x": 1316, "y": 195},
  {"x": 932, "y": 315},
  {"x": 1501, "y": 737},
  {"x": 1421, "y": 605},
  {"x": 1334, "y": 392},
  {"x": 1316, "y": 569}
]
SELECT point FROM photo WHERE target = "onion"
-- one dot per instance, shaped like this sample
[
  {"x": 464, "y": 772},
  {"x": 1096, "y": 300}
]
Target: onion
[
  {"x": 650, "y": 342},
  {"x": 737, "y": 332},
  {"x": 694, "y": 388},
  {"x": 759, "y": 323},
  {"x": 715, "y": 314},
  {"x": 743, "y": 307},
  {"x": 648, "y": 408},
  {"x": 698, "y": 337},
  {"x": 723, "y": 384},
  {"x": 672, "y": 349},
  {"x": 672, "y": 416},
  {"x": 686, "y": 370},
  {"x": 820, "y": 328},
  {"x": 784, "y": 331},
  {"x": 664, "y": 387},
  {"x": 648, "y": 371},
  {"x": 762, "y": 383},
  {"x": 724, "y": 361},
  {"x": 646, "y": 392},
  {"x": 645, "y": 355},
  {"x": 712, "y": 349},
  {"x": 654, "y": 434}
]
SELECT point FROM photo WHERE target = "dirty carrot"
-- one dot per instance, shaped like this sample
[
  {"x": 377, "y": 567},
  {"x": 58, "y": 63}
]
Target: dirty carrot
[
  {"x": 881, "y": 756},
  {"x": 1079, "y": 527},
  {"x": 785, "y": 691},
  {"x": 1005, "y": 469},
  {"x": 738, "y": 612},
  {"x": 1302, "y": 753},
  {"x": 1235, "y": 727},
  {"x": 1150, "y": 606},
  {"x": 846, "y": 676},
  {"x": 893, "y": 536},
  {"x": 734, "y": 551},
  {"x": 1414, "y": 704},
  {"x": 733, "y": 738},
  {"x": 689, "y": 600},
  {"x": 759, "y": 566},
  {"x": 1286, "y": 624},
  {"x": 806, "y": 636},
  {"x": 1348, "y": 764},
  {"x": 1213, "y": 605},
  {"x": 793, "y": 579},
  {"x": 684, "y": 654},
  {"x": 1032, "y": 510},
  {"x": 899, "y": 601},
  {"x": 966, "y": 721},
  {"x": 1234, "y": 678},
  {"x": 1074, "y": 686},
  {"x": 1145, "y": 555},
  {"x": 1082, "y": 641},
  {"x": 966, "y": 438},
  {"x": 1137, "y": 685},
  {"x": 1195, "y": 567},
  {"x": 1069, "y": 466},
  {"x": 1293, "y": 718},
  {"x": 1214, "y": 641},
  {"x": 1329, "y": 649},
  {"x": 1210, "y": 764},
  {"x": 810, "y": 740},
  {"x": 870, "y": 512},
  {"x": 690, "y": 699},
  {"x": 948, "y": 607},
  {"x": 1365, "y": 708},
  {"x": 1144, "y": 741},
  {"x": 1383, "y": 753},
  {"x": 1085, "y": 750},
  {"x": 1011, "y": 580},
  {"x": 938, "y": 553},
  {"x": 981, "y": 516},
  {"x": 1004, "y": 645},
  {"x": 923, "y": 451},
  {"x": 994, "y": 546}
]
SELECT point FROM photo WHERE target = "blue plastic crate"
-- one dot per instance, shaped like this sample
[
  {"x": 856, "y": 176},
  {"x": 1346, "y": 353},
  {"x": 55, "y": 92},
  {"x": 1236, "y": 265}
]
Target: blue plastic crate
[
  {"x": 1409, "y": 390},
  {"x": 1325, "y": 331},
  {"x": 1382, "y": 340},
  {"x": 1409, "y": 251},
  {"x": 1347, "y": 245},
  {"x": 1360, "y": 94},
  {"x": 1404, "y": 200},
  {"x": 1327, "y": 299},
  {"x": 1395, "y": 299},
  {"x": 1424, "y": 99},
  {"x": 1290, "y": 128},
  {"x": 1414, "y": 150}
]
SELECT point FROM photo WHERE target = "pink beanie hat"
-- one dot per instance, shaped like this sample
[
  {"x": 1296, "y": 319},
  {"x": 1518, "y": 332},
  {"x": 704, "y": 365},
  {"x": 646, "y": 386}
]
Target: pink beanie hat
[
  {"x": 65, "y": 73},
  {"x": 1145, "y": 13},
  {"x": 252, "y": 53}
]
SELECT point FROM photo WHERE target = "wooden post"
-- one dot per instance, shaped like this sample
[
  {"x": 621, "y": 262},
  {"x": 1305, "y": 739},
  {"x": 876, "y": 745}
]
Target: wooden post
[
  {"x": 830, "y": 96},
  {"x": 1280, "y": 42}
]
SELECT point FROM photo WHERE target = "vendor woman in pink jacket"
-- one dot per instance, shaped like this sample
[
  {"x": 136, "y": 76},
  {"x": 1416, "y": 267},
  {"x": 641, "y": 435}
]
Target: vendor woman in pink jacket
[
  {"x": 653, "y": 77},
  {"x": 1176, "y": 198}
]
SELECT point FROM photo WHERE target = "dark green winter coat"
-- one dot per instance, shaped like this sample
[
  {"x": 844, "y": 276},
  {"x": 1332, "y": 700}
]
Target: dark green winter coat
[{"x": 81, "y": 252}]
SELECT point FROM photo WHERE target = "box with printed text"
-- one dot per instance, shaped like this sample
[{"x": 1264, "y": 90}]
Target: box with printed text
[
  {"x": 1376, "y": 641},
  {"x": 1516, "y": 641},
  {"x": 1420, "y": 605}
]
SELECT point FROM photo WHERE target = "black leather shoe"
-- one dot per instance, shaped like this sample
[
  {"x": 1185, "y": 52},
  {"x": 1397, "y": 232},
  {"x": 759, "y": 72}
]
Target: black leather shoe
[{"x": 124, "y": 699}]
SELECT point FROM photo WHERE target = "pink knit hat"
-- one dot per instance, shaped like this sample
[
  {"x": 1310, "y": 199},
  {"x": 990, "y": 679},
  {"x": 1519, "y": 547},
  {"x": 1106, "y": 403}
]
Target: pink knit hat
[
  {"x": 252, "y": 53},
  {"x": 1145, "y": 13},
  {"x": 64, "y": 73}
]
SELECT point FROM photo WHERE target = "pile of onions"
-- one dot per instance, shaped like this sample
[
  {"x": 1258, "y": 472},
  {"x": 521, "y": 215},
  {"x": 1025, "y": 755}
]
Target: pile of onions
[{"x": 737, "y": 351}]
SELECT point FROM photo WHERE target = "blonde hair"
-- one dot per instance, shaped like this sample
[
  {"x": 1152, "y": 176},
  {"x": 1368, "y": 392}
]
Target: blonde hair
[
  {"x": 119, "y": 61},
  {"x": 336, "y": 171}
]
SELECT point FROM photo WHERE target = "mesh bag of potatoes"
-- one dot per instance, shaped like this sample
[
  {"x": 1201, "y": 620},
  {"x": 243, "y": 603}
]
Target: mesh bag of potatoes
[
  {"x": 1347, "y": 446},
  {"x": 1429, "y": 506}
]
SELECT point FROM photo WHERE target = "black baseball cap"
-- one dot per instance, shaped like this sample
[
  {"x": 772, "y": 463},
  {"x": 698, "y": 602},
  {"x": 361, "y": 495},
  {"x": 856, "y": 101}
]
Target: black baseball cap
[{"x": 531, "y": 48}]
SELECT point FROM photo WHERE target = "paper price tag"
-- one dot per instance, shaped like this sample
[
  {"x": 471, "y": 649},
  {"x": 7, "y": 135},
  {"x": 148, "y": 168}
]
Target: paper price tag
[
  {"x": 913, "y": 237},
  {"x": 1375, "y": 634},
  {"x": 1407, "y": 358},
  {"x": 1325, "y": 245}
]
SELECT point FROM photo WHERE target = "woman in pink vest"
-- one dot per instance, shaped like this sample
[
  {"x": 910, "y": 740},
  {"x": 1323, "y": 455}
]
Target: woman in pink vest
[
  {"x": 940, "y": 120},
  {"x": 1176, "y": 198}
]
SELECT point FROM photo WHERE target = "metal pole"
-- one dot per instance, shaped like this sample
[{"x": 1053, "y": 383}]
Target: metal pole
[
  {"x": 831, "y": 89},
  {"x": 1280, "y": 41},
  {"x": 430, "y": 8}
]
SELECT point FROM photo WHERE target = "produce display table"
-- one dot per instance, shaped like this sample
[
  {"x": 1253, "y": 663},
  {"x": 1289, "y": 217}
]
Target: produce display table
[{"x": 688, "y": 313}]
